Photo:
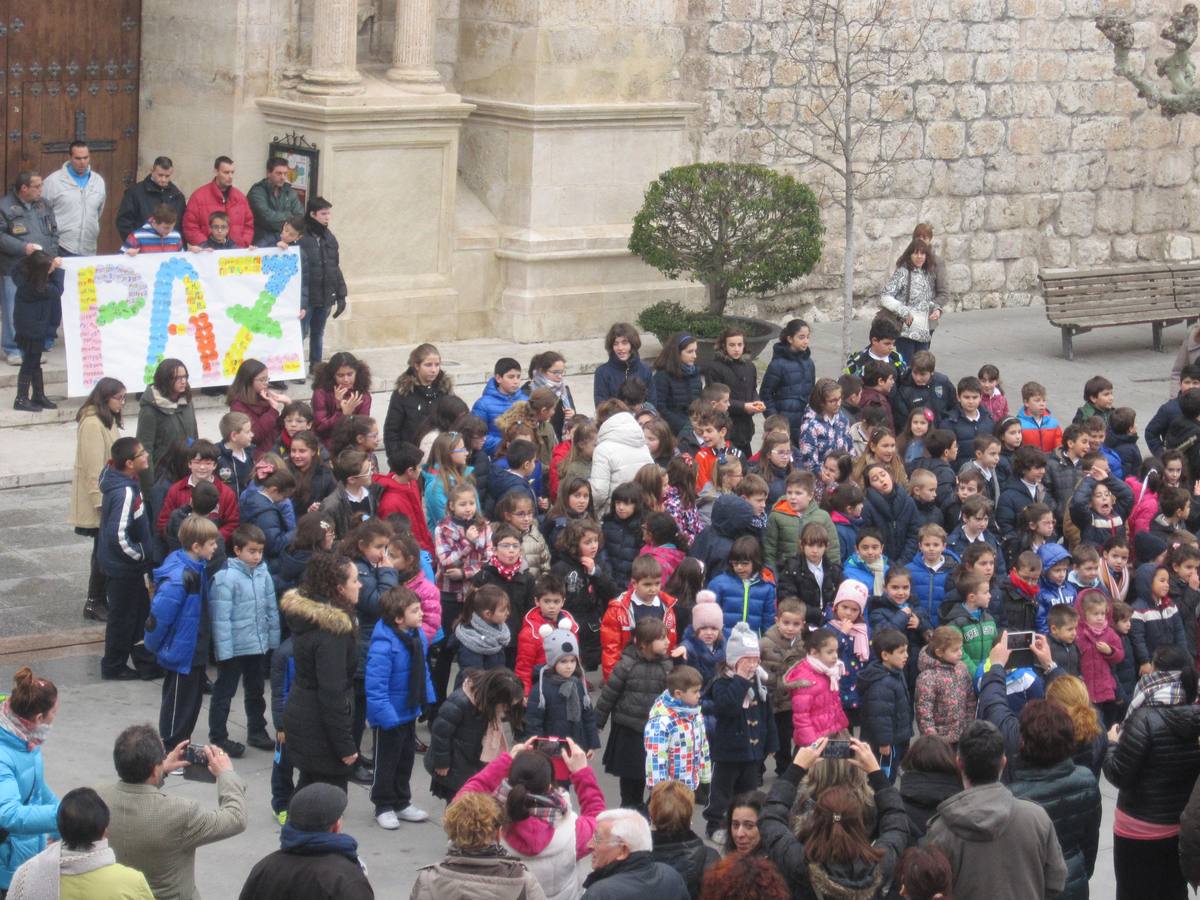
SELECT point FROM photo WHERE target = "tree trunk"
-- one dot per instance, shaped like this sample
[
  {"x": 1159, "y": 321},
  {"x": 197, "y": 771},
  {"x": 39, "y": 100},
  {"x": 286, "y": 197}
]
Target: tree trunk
[
  {"x": 718, "y": 295},
  {"x": 848, "y": 273}
]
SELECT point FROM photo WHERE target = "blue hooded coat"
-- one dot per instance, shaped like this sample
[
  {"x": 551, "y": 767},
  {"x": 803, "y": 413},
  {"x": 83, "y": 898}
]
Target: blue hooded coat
[
  {"x": 1049, "y": 593},
  {"x": 489, "y": 407},
  {"x": 177, "y": 626}
]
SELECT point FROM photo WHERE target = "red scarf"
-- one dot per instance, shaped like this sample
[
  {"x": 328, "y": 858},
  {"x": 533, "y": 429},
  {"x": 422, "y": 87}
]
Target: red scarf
[
  {"x": 508, "y": 573},
  {"x": 1029, "y": 590}
]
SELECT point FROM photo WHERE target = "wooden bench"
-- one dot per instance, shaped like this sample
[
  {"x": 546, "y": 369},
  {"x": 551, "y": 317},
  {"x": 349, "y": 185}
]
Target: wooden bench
[{"x": 1161, "y": 294}]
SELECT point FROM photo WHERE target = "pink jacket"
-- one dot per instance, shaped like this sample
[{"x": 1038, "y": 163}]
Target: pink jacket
[
  {"x": 996, "y": 405},
  {"x": 1145, "y": 508},
  {"x": 431, "y": 603},
  {"x": 530, "y": 836},
  {"x": 816, "y": 706},
  {"x": 1094, "y": 667}
]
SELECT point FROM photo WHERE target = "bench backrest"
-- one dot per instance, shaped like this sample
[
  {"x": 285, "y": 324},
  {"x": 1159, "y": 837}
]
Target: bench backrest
[{"x": 1142, "y": 293}]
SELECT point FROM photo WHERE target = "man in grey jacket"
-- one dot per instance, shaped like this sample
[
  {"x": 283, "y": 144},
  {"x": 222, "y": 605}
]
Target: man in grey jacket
[
  {"x": 27, "y": 223},
  {"x": 77, "y": 195},
  {"x": 157, "y": 832},
  {"x": 273, "y": 202},
  {"x": 1000, "y": 848}
]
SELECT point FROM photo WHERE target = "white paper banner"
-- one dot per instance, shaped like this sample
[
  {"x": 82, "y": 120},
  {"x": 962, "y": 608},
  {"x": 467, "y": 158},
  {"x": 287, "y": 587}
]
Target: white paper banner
[{"x": 123, "y": 314}]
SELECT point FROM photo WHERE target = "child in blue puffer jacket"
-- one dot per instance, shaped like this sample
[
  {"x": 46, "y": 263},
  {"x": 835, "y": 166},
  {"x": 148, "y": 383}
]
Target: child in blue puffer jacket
[
  {"x": 177, "y": 630},
  {"x": 747, "y": 592},
  {"x": 398, "y": 687},
  {"x": 245, "y": 627},
  {"x": 1053, "y": 586}
]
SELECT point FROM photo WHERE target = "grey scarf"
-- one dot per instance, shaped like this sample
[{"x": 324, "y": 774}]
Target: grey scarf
[{"x": 483, "y": 637}]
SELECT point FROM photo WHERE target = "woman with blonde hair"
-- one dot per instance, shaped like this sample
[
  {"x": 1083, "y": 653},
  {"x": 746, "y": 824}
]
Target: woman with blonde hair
[
  {"x": 671, "y": 806},
  {"x": 1071, "y": 694}
]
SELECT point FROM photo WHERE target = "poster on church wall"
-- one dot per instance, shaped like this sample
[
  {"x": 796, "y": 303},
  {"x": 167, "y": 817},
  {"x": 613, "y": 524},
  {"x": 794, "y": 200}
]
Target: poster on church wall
[{"x": 122, "y": 315}]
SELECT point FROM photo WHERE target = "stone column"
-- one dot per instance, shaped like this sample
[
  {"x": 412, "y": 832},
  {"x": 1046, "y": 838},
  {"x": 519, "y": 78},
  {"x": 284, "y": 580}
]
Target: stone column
[
  {"x": 334, "y": 49},
  {"x": 412, "y": 52}
]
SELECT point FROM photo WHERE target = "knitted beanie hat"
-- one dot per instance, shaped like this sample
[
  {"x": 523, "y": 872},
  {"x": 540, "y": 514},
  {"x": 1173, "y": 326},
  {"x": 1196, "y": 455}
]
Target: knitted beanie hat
[
  {"x": 707, "y": 612},
  {"x": 742, "y": 642},
  {"x": 851, "y": 591},
  {"x": 558, "y": 642}
]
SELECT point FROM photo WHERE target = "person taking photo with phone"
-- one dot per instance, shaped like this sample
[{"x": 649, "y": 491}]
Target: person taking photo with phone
[{"x": 833, "y": 849}]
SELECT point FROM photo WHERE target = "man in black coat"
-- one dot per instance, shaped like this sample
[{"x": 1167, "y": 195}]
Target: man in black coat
[
  {"x": 315, "y": 859},
  {"x": 622, "y": 865},
  {"x": 143, "y": 198}
]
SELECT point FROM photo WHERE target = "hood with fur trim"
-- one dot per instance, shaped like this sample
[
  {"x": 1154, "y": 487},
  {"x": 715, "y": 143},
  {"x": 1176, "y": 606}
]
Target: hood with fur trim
[{"x": 304, "y": 614}]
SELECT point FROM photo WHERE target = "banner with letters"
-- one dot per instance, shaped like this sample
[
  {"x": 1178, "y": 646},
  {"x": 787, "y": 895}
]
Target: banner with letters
[{"x": 122, "y": 315}]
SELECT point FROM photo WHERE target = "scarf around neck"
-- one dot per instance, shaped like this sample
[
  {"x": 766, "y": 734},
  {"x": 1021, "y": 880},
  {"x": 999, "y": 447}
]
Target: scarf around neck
[
  {"x": 482, "y": 637},
  {"x": 877, "y": 569},
  {"x": 40, "y": 877},
  {"x": 508, "y": 573},
  {"x": 558, "y": 388},
  {"x": 1157, "y": 689},
  {"x": 549, "y": 808},
  {"x": 23, "y": 729},
  {"x": 834, "y": 673},
  {"x": 1118, "y": 587},
  {"x": 411, "y": 639}
]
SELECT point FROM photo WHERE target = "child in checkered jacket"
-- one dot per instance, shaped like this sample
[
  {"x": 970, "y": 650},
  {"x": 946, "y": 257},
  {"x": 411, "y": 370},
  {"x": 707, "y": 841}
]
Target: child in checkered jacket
[{"x": 676, "y": 742}]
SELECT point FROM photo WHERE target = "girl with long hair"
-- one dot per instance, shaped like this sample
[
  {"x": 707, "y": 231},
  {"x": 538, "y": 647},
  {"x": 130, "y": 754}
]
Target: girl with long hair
[
  {"x": 418, "y": 389},
  {"x": 341, "y": 388},
  {"x": 251, "y": 393},
  {"x": 166, "y": 416},
  {"x": 909, "y": 295},
  {"x": 676, "y": 380}
]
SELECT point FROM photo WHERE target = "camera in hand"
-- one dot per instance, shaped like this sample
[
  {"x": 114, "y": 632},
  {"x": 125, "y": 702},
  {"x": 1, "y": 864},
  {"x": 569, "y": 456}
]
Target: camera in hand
[
  {"x": 1020, "y": 640},
  {"x": 837, "y": 750},
  {"x": 194, "y": 755},
  {"x": 552, "y": 747}
]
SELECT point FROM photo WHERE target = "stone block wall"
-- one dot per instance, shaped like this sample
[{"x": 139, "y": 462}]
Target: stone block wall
[{"x": 1026, "y": 150}]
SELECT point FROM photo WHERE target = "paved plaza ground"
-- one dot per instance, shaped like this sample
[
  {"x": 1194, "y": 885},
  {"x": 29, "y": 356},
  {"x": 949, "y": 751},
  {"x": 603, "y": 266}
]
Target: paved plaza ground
[{"x": 43, "y": 567}]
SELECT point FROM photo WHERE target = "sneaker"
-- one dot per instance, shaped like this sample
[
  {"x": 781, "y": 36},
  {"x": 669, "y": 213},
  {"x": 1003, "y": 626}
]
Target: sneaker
[
  {"x": 362, "y": 776},
  {"x": 260, "y": 740},
  {"x": 95, "y": 610},
  {"x": 412, "y": 813},
  {"x": 387, "y": 819},
  {"x": 233, "y": 748},
  {"x": 281, "y": 817},
  {"x": 13, "y": 359}
]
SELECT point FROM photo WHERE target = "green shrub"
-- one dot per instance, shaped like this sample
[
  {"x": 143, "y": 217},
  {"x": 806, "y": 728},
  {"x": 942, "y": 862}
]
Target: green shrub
[{"x": 666, "y": 318}]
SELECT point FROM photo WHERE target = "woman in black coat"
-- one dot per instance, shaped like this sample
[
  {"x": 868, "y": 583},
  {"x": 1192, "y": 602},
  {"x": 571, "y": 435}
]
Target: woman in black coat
[
  {"x": 420, "y": 386},
  {"x": 675, "y": 844},
  {"x": 623, "y": 537},
  {"x": 676, "y": 380},
  {"x": 1153, "y": 760},
  {"x": 1047, "y": 775},
  {"x": 737, "y": 372},
  {"x": 930, "y": 776},
  {"x": 892, "y": 511},
  {"x": 318, "y": 718}
]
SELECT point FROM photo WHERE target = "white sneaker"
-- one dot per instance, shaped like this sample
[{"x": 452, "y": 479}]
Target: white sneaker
[
  {"x": 412, "y": 813},
  {"x": 387, "y": 819},
  {"x": 13, "y": 359}
]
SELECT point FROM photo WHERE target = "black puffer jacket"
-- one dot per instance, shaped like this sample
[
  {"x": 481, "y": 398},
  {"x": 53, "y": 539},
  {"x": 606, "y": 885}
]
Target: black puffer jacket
[
  {"x": 921, "y": 793},
  {"x": 409, "y": 408},
  {"x": 632, "y": 687},
  {"x": 142, "y": 199},
  {"x": 740, "y": 376},
  {"x": 456, "y": 743},
  {"x": 896, "y": 517},
  {"x": 853, "y": 879},
  {"x": 1071, "y": 797},
  {"x": 788, "y": 384},
  {"x": 1189, "y": 838},
  {"x": 673, "y": 396},
  {"x": 794, "y": 579},
  {"x": 622, "y": 544},
  {"x": 322, "y": 265},
  {"x": 887, "y": 709},
  {"x": 732, "y": 517},
  {"x": 317, "y": 718},
  {"x": 687, "y": 854},
  {"x": 1155, "y": 763}
]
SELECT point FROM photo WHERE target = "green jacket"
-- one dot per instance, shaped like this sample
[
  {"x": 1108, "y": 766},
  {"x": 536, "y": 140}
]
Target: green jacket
[
  {"x": 979, "y": 635},
  {"x": 784, "y": 525},
  {"x": 271, "y": 211}
]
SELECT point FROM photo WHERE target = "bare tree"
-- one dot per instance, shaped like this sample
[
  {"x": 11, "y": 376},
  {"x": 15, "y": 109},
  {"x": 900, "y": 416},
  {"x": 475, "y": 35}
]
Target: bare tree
[
  {"x": 1182, "y": 94},
  {"x": 853, "y": 113}
]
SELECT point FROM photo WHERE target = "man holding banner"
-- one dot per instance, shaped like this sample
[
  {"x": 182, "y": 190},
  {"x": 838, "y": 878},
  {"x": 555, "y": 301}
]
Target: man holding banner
[{"x": 27, "y": 224}]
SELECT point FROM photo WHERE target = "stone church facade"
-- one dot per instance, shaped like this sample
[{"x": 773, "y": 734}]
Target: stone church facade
[{"x": 485, "y": 158}]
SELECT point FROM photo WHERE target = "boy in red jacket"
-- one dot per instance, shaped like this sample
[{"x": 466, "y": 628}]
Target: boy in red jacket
[
  {"x": 401, "y": 493},
  {"x": 644, "y": 599},
  {"x": 712, "y": 430},
  {"x": 549, "y": 595},
  {"x": 202, "y": 464}
]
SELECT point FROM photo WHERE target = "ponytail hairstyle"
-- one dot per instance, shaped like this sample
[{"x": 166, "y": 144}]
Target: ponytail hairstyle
[
  {"x": 791, "y": 329},
  {"x": 531, "y": 774},
  {"x": 770, "y": 442},
  {"x": 681, "y": 475},
  {"x": 822, "y": 393},
  {"x": 271, "y": 471},
  {"x": 583, "y": 434},
  {"x": 408, "y": 379},
  {"x": 31, "y": 696},
  {"x": 1072, "y": 695},
  {"x": 364, "y": 533},
  {"x": 834, "y": 833},
  {"x": 311, "y": 529},
  {"x": 816, "y": 639},
  {"x": 1151, "y": 474},
  {"x": 651, "y": 483},
  {"x": 495, "y": 688},
  {"x": 487, "y": 598},
  {"x": 544, "y": 361}
]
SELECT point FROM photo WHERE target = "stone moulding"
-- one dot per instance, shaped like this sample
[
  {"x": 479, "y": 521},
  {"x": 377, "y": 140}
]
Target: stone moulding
[{"x": 533, "y": 116}]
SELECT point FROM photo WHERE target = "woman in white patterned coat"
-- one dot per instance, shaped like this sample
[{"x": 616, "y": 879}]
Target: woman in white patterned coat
[{"x": 911, "y": 294}]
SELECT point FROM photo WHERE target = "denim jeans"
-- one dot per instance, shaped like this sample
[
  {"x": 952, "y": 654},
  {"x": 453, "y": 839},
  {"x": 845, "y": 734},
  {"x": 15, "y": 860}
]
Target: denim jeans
[
  {"x": 312, "y": 326},
  {"x": 8, "y": 335}
]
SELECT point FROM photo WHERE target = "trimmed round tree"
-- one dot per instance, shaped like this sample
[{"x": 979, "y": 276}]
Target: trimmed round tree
[{"x": 729, "y": 226}]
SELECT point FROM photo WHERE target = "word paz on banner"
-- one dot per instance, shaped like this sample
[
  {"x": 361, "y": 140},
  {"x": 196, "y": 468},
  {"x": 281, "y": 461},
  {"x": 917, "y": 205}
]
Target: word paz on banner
[{"x": 256, "y": 319}]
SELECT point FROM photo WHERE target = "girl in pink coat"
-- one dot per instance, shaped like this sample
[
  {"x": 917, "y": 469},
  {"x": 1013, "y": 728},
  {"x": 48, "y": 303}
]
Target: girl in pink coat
[
  {"x": 1100, "y": 650},
  {"x": 543, "y": 829},
  {"x": 406, "y": 557},
  {"x": 816, "y": 700}
]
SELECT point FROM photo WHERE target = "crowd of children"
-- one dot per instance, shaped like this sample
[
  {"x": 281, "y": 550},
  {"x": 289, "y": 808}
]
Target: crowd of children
[{"x": 711, "y": 606}]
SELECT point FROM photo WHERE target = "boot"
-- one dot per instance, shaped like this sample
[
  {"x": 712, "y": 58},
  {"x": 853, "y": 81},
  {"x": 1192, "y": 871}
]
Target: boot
[
  {"x": 39, "y": 392},
  {"x": 95, "y": 610},
  {"x": 23, "y": 403}
]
